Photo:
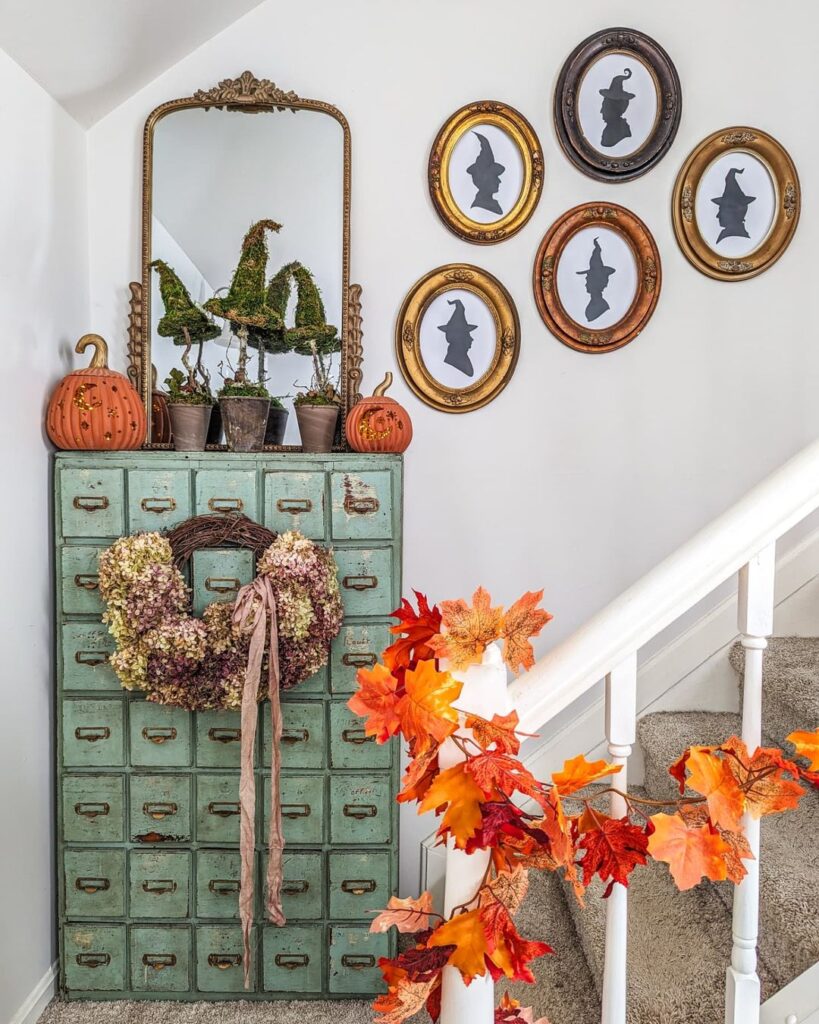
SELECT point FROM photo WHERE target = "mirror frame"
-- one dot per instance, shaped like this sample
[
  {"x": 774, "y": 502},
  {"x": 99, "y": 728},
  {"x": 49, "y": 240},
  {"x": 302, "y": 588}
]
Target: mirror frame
[{"x": 253, "y": 95}]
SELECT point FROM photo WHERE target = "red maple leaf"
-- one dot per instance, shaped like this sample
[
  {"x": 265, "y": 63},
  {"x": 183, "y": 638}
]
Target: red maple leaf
[
  {"x": 613, "y": 851},
  {"x": 418, "y": 628}
]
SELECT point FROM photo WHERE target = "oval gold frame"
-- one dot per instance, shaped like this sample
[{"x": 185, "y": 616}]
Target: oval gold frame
[
  {"x": 489, "y": 290},
  {"x": 788, "y": 203},
  {"x": 508, "y": 120}
]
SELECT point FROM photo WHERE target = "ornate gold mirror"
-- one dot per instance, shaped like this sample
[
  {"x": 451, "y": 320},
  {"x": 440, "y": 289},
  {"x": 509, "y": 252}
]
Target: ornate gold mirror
[{"x": 215, "y": 164}]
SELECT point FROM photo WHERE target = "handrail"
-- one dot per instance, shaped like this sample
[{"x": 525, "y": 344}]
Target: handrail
[{"x": 713, "y": 555}]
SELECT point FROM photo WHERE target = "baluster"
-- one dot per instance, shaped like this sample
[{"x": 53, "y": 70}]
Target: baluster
[
  {"x": 755, "y": 622},
  {"x": 621, "y": 721}
]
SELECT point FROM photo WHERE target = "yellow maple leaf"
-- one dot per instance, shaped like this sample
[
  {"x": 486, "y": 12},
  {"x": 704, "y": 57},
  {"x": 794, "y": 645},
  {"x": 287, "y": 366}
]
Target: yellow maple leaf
[
  {"x": 807, "y": 745},
  {"x": 456, "y": 790},
  {"x": 577, "y": 773},
  {"x": 469, "y": 630},
  {"x": 466, "y": 933}
]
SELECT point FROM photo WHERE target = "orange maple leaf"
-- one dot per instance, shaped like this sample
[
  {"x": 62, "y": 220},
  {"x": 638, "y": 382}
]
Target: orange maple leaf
[
  {"x": 521, "y": 622},
  {"x": 495, "y": 772},
  {"x": 456, "y": 790},
  {"x": 407, "y": 915},
  {"x": 425, "y": 710},
  {"x": 762, "y": 778},
  {"x": 508, "y": 952},
  {"x": 377, "y": 700},
  {"x": 469, "y": 630},
  {"x": 500, "y": 732},
  {"x": 711, "y": 777},
  {"x": 421, "y": 773},
  {"x": 689, "y": 852},
  {"x": 466, "y": 933},
  {"x": 807, "y": 745},
  {"x": 510, "y": 1011},
  {"x": 578, "y": 773},
  {"x": 404, "y": 1001},
  {"x": 739, "y": 848}
]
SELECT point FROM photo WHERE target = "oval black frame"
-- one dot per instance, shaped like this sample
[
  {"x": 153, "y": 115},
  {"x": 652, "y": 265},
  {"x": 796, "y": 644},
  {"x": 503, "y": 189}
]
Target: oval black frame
[{"x": 583, "y": 155}]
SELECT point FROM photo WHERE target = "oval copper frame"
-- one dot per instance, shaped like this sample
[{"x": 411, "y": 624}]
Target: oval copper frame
[
  {"x": 489, "y": 290},
  {"x": 788, "y": 202},
  {"x": 589, "y": 159},
  {"x": 515, "y": 125},
  {"x": 646, "y": 255}
]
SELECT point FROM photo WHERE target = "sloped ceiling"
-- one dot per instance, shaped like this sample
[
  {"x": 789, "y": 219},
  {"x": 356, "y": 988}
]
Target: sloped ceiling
[{"x": 91, "y": 55}]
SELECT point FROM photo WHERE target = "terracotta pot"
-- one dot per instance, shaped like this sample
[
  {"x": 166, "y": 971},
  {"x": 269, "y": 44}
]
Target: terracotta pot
[
  {"x": 245, "y": 420},
  {"x": 276, "y": 425},
  {"x": 317, "y": 426},
  {"x": 215, "y": 428},
  {"x": 190, "y": 426}
]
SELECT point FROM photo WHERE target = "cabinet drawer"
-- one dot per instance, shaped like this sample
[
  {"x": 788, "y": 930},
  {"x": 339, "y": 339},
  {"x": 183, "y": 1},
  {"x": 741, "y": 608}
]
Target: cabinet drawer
[
  {"x": 354, "y": 956},
  {"x": 94, "y": 957},
  {"x": 362, "y": 505},
  {"x": 315, "y": 684},
  {"x": 93, "y": 808},
  {"x": 80, "y": 582},
  {"x": 94, "y": 883},
  {"x": 359, "y": 884},
  {"x": 301, "y": 885},
  {"x": 160, "y": 808},
  {"x": 217, "y": 808},
  {"x": 360, "y": 809},
  {"x": 355, "y": 647},
  {"x": 350, "y": 746},
  {"x": 302, "y": 743},
  {"x": 218, "y": 739},
  {"x": 219, "y": 961},
  {"x": 159, "y": 736},
  {"x": 365, "y": 578},
  {"x": 86, "y": 648},
  {"x": 292, "y": 958},
  {"x": 302, "y": 798},
  {"x": 295, "y": 501},
  {"x": 218, "y": 575},
  {"x": 92, "y": 502},
  {"x": 217, "y": 883},
  {"x": 226, "y": 490},
  {"x": 160, "y": 959},
  {"x": 158, "y": 499},
  {"x": 159, "y": 883},
  {"x": 93, "y": 733}
]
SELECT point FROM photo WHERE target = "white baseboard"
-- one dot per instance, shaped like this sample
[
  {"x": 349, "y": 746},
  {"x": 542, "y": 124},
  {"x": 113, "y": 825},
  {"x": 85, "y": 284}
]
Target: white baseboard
[
  {"x": 39, "y": 998},
  {"x": 798, "y": 1001}
]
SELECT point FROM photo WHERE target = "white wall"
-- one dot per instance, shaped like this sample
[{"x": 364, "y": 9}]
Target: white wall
[
  {"x": 588, "y": 469},
  {"x": 44, "y": 298}
]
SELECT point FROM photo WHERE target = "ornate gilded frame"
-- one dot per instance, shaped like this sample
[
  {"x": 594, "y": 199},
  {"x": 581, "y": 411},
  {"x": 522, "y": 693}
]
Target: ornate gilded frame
[
  {"x": 646, "y": 255},
  {"x": 250, "y": 94},
  {"x": 788, "y": 203},
  {"x": 514, "y": 124},
  {"x": 408, "y": 330}
]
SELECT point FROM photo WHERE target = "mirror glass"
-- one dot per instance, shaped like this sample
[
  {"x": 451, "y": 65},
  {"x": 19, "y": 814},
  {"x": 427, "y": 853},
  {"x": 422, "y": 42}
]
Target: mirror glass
[{"x": 215, "y": 172}]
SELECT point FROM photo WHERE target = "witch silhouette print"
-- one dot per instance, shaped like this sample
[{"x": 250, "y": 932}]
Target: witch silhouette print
[
  {"x": 615, "y": 104},
  {"x": 732, "y": 207},
  {"x": 458, "y": 335},
  {"x": 597, "y": 280},
  {"x": 486, "y": 174}
]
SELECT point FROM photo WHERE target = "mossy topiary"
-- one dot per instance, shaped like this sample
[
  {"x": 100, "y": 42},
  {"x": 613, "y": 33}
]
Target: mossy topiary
[
  {"x": 310, "y": 319},
  {"x": 181, "y": 313},
  {"x": 245, "y": 304}
]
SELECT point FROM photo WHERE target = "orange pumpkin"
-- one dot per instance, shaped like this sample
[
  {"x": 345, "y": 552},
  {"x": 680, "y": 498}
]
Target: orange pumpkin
[
  {"x": 96, "y": 409},
  {"x": 379, "y": 424}
]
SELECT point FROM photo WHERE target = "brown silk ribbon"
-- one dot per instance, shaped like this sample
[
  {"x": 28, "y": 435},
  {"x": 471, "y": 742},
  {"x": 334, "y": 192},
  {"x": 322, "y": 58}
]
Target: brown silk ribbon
[{"x": 255, "y": 603}]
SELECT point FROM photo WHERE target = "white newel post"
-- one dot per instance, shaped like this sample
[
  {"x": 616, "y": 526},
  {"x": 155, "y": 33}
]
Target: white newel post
[
  {"x": 485, "y": 694},
  {"x": 755, "y": 622},
  {"x": 621, "y": 724}
]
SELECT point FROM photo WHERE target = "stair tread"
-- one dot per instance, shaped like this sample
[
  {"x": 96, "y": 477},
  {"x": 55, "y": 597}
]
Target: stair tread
[{"x": 790, "y": 683}]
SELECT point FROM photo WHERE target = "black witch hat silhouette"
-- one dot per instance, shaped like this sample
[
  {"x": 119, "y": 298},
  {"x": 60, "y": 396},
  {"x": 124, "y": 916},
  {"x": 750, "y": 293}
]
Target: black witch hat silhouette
[
  {"x": 458, "y": 338},
  {"x": 486, "y": 174},
  {"x": 733, "y": 205},
  {"x": 597, "y": 279},
  {"x": 615, "y": 104}
]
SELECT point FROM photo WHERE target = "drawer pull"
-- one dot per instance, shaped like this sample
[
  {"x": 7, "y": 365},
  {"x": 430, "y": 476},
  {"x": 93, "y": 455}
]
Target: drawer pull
[
  {"x": 296, "y": 810},
  {"x": 224, "y": 886},
  {"x": 223, "y": 808},
  {"x": 158, "y": 886},
  {"x": 92, "y": 810},
  {"x": 224, "y": 735},
  {"x": 87, "y": 581},
  {"x": 358, "y": 886},
  {"x": 158, "y": 505},
  {"x": 359, "y": 660},
  {"x": 361, "y": 506},
  {"x": 222, "y": 584},
  {"x": 295, "y": 736},
  {"x": 157, "y": 734},
  {"x": 360, "y": 582},
  {"x": 160, "y": 810},
  {"x": 295, "y": 887},
  {"x": 356, "y": 736},
  {"x": 92, "y": 658},
  {"x": 92, "y": 885},
  {"x": 93, "y": 959},
  {"x": 92, "y": 733},
  {"x": 222, "y": 961},
  {"x": 360, "y": 811},
  {"x": 357, "y": 961},
  {"x": 291, "y": 961},
  {"x": 159, "y": 960},
  {"x": 295, "y": 506},
  {"x": 91, "y": 503},
  {"x": 226, "y": 504}
]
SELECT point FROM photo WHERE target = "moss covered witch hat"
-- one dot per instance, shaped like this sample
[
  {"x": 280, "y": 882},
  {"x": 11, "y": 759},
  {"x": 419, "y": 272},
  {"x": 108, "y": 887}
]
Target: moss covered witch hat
[
  {"x": 181, "y": 312},
  {"x": 310, "y": 326},
  {"x": 245, "y": 304}
]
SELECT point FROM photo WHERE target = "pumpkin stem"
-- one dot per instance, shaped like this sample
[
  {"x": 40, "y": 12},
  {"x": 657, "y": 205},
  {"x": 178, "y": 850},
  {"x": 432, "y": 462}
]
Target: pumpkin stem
[
  {"x": 100, "y": 360},
  {"x": 381, "y": 390}
]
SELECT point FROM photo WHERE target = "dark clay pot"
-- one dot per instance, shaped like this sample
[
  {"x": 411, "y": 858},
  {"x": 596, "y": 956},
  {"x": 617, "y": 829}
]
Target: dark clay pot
[
  {"x": 276, "y": 424},
  {"x": 215, "y": 428},
  {"x": 190, "y": 426},
  {"x": 245, "y": 420},
  {"x": 317, "y": 426}
]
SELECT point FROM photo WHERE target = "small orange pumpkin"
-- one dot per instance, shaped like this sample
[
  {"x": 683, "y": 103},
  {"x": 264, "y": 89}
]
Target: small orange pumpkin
[
  {"x": 161, "y": 431},
  {"x": 96, "y": 409},
  {"x": 379, "y": 424}
]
